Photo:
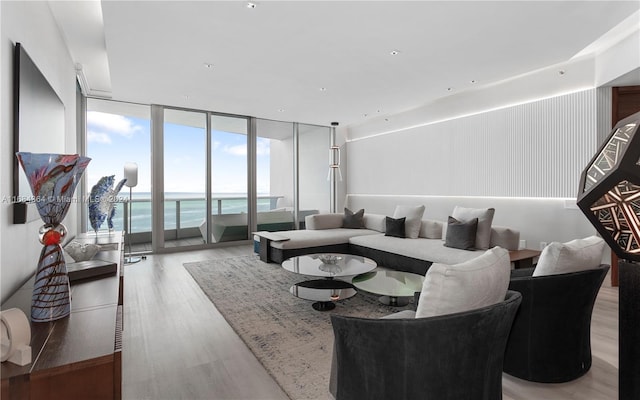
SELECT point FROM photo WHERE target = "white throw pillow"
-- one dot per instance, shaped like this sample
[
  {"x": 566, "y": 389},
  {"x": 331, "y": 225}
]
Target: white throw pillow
[
  {"x": 375, "y": 222},
  {"x": 576, "y": 255},
  {"x": 473, "y": 284},
  {"x": 485, "y": 218},
  {"x": 413, "y": 215},
  {"x": 505, "y": 237},
  {"x": 430, "y": 229}
]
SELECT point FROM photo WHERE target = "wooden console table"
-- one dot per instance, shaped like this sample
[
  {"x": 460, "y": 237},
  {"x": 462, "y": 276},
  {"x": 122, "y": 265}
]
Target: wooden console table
[{"x": 77, "y": 357}]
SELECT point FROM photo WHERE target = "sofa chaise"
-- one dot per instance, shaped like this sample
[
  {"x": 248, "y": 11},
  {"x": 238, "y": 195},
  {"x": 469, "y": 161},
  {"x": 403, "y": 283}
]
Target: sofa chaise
[{"x": 325, "y": 233}]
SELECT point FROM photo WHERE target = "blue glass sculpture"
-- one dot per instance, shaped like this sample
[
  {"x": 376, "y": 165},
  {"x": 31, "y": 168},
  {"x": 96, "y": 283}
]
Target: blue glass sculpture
[{"x": 102, "y": 202}]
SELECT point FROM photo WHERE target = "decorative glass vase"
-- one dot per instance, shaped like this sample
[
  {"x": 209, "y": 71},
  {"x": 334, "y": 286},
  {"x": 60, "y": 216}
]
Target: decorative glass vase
[{"x": 53, "y": 179}]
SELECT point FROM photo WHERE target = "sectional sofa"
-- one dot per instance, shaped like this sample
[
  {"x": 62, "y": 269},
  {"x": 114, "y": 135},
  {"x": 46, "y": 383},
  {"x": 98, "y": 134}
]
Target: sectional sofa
[{"x": 326, "y": 233}]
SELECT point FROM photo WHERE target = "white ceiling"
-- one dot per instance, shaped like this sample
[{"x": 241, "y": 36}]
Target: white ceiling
[{"x": 272, "y": 61}]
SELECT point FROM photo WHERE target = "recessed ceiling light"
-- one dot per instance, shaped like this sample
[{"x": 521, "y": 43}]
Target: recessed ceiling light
[
  {"x": 323, "y": 89},
  {"x": 394, "y": 52},
  {"x": 561, "y": 72},
  {"x": 280, "y": 109},
  {"x": 449, "y": 89},
  {"x": 252, "y": 5},
  {"x": 473, "y": 81},
  {"x": 208, "y": 65},
  {"x": 365, "y": 115}
]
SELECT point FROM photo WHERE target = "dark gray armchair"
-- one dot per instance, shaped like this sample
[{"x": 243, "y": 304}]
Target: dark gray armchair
[
  {"x": 550, "y": 340},
  {"x": 455, "y": 356}
]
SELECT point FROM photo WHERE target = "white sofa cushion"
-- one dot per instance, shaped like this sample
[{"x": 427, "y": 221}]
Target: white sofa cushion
[
  {"x": 576, "y": 255},
  {"x": 323, "y": 221},
  {"x": 422, "y": 249},
  {"x": 485, "y": 218},
  {"x": 476, "y": 283},
  {"x": 413, "y": 215},
  {"x": 318, "y": 237}
]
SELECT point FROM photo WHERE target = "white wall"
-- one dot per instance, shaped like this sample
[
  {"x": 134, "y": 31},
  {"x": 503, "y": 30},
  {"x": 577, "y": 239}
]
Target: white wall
[
  {"x": 620, "y": 59},
  {"x": 530, "y": 150},
  {"x": 30, "y": 23},
  {"x": 313, "y": 148},
  {"x": 281, "y": 173},
  {"x": 520, "y": 144}
]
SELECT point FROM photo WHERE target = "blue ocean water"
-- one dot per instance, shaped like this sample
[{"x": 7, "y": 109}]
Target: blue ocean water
[{"x": 192, "y": 209}]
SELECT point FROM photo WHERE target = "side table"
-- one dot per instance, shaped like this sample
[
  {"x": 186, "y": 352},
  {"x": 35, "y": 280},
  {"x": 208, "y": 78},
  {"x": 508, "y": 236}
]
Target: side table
[{"x": 523, "y": 258}]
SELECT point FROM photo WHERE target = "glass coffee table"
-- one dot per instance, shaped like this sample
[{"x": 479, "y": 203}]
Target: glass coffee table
[
  {"x": 395, "y": 287},
  {"x": 327, "y": 266}
]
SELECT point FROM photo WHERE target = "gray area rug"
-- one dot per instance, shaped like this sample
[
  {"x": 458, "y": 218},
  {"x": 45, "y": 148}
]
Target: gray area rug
[{"x": 292, "y": 340}]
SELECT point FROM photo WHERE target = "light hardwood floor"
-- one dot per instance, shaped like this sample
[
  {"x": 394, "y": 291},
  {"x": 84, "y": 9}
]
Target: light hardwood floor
[{"x": 178, "y": 346}]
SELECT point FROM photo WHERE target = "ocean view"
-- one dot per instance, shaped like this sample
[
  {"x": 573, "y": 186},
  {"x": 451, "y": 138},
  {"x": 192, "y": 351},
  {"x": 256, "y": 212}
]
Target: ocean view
[{"x": 192, "y": 208}]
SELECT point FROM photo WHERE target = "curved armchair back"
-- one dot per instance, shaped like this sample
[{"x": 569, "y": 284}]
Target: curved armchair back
[
  {"x": 455, "y": 356},
  {"x": 550, "y": 339}
]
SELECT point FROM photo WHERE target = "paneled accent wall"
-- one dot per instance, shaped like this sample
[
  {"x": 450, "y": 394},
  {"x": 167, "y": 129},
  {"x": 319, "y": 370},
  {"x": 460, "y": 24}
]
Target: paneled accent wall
[
  {"x": 604, "y": 101},
  {"x": 536, "y": 149}
]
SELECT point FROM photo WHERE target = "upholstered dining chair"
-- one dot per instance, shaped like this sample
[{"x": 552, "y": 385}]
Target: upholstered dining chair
[
  {"x": 550, "y": 340},
  {"x": 453, "y": 356}
]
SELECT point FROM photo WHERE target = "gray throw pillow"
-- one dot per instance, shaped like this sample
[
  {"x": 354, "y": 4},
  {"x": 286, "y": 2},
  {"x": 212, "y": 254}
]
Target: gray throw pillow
[
  {"x": 413, "y": 215},
  {"x": 353, "y": 220},
  {"x": 394, "y": 227},
  {"x": 485, "y": 219},
  {"x": 461, "y": 235}
]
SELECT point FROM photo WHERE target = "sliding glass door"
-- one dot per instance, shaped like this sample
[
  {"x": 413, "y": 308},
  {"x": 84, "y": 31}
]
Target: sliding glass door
[
  {"x": 230, "y": 205},
  {"x": 185, "y": 174}
]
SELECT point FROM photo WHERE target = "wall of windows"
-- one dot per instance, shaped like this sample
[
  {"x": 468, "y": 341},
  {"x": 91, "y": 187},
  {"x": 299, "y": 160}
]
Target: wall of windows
[{"x": 213, "y": 178}]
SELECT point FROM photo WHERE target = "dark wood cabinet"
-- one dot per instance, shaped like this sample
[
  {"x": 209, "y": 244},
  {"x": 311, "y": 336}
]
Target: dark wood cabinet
[{"x": 79, "y": 356}]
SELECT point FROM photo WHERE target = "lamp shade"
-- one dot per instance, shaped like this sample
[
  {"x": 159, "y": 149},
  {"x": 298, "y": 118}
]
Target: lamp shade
[
  {"x": 131, "y": 174},
  {"x": 609, "y": 191}
]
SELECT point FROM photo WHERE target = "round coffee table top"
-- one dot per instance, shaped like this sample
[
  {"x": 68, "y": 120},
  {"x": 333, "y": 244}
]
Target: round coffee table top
[
  {"x": 389, "y": 282},
  {"x": 329, "y": 265}
]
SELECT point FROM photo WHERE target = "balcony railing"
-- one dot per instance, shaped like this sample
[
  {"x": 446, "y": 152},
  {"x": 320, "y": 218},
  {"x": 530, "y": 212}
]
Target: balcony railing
[{"x": 182, "y": 215}]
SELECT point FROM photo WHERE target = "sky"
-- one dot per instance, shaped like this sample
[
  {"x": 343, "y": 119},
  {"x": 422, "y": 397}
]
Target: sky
[{"x": 113, "y": 140}]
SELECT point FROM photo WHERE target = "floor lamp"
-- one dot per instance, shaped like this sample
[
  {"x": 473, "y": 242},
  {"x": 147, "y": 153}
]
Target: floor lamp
[{"x": 131, "y": 175}]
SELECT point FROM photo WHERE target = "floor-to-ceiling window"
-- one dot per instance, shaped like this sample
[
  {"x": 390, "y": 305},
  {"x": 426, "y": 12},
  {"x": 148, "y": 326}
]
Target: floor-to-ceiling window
[
  {"x": 215, "y": 177},
  {"x": 230, "y": 205},
  {"x": 185, "y": 177},
  {"x": 117, "y": 133}
]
